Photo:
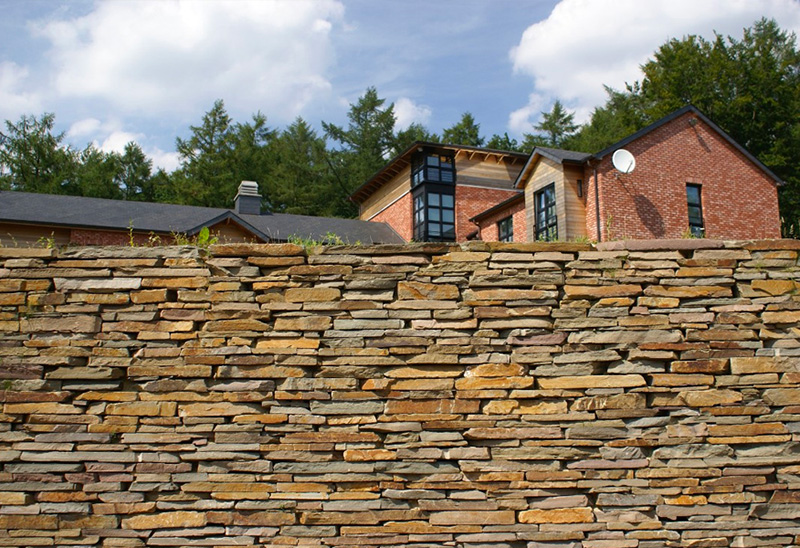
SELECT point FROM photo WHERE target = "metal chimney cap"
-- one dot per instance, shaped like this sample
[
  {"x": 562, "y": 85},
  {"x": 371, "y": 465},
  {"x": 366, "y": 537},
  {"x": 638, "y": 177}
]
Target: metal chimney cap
[{"x": 248, "y": 188}]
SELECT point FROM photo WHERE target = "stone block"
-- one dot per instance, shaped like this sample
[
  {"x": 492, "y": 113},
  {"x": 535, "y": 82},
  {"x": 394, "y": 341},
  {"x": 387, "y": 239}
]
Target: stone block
[
  {"x": 305, "y": 323},
  {"x": 164, "y": 520},
  {"x": 602, "y": 291},
  {"x": 591, "y": 381},
  {"x": 462, "y": 517},
  {"x": 426, "y": 291},
  {"x": 312, "y": 294},
  {"x": 782, "y": 396},
  {"x": 105, "y": 285},
  {"x": 557, "y": 516},
  {"x": 60, "y": 324}
]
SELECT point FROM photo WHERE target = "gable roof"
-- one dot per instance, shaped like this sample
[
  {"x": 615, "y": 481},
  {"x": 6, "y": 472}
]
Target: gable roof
[
  {"x": 516, "y": 198},
  {"x": 104, "y": 214},
  {"x": 403, "y": 160},
  {"x": 561, "y": 156},
  {"x": 677, "y": 114},
  {"x": 557, "y": 155}
]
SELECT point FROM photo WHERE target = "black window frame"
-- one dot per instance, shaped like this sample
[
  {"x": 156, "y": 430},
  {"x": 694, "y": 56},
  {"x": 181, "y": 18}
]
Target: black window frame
[
  {"x": 545, "y": 215},
  {"x": 433, "y": 167},
  {"x": 505, "y": 229},
  {"x": 696, "y": 223},
  {"x": 434, "y": 213}
]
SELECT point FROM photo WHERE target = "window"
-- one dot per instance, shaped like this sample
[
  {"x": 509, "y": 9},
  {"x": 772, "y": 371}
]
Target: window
[
  {"x": 545, "y": 210},
  {"x": 505, "y": 230},
  {"x": 433, "y": 168},
  {"x": 434, "y": 215},
  {"x": 433, "y": 178},
  {"x": 695, "y": 206}
]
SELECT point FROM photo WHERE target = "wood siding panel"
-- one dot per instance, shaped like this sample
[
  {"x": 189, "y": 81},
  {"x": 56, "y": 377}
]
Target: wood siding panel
[
  {"x": 384, "y": 196},
  {"x": 488, "y": 172},
  {"x": 575, "y": 206},
  {"x": 544, "y": 173},
  {"x": 22, "y": 235},
  {"x": 228, "y": 232}
]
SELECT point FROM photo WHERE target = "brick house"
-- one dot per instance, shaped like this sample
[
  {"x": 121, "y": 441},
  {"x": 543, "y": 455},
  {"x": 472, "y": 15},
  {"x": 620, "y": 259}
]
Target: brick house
[
  {"x": 690, "y": 178},
  {"x": 26, "y": 218},
  {"x": 430, "y": 191}
]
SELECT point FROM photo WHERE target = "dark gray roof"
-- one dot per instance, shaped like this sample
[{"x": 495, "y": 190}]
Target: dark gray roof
[
  {"x": 98, "y": 213},
  {"x": 279, "y": 226},
  {"x": 502, "y": 205},
  {"x": 560, "y": 155},
  {"x": 557, "y": 155}
]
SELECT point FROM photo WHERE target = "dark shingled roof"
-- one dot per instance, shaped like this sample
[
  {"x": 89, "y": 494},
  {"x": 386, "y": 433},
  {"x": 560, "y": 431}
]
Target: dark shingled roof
[
  {"x": 98, "y": 213},
  {"x": 502, "y": 205},
  {"x": 557, "y": 155},
  {"x": 560, "y": 155}
]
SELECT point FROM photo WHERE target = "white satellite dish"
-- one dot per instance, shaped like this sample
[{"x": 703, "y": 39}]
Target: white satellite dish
[{"x": 623, "y": 161}]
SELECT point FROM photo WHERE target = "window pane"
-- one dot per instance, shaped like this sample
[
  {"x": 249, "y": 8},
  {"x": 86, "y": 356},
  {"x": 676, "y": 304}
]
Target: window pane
[
  {"x": 545, "y": 214},
  {"x": 447, "y": 200},
  {"x": 695, "y": 210},
  {"x": 434, "y": 230},
  {"x": 448, "y": 216},
  {"x": 433, "y": 199},
  {"x": 505, "y": 229},
  {"x": 693, "y": 194},
  {"x": 432, "y": 160},
  {"x": 446, "y": 176},
  {"x": 433, "y": 213},
  {"x": 449, "y": 232}
]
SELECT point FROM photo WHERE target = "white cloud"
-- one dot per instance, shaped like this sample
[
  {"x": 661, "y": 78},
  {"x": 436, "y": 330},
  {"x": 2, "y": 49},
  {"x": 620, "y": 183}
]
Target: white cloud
[
  {"x": 108, "y": 136},
  {"x": 15, "y": 102},
  {"x": 177, "y": 55},
  {"x": 519, "y": 121},
  {"x": 168, "y": 161},
  {"x": 116, "y": 141},
  {"x": 81, "y": 128},
  {"x": 408, "y": 112},
  {"x": 584, "y": 44}
]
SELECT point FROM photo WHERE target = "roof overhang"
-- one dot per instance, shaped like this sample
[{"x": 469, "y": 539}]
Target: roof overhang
[
  {"x": 403, "y": 160},
  {"x": 232, "y": 217},
  {"x": 519, "y": 197},
  {"x": 537, "y": 154}
]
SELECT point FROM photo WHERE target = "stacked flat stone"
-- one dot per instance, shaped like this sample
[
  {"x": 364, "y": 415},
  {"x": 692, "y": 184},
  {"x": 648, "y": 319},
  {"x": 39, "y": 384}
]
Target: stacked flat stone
[{"x": 630, "y": 395}]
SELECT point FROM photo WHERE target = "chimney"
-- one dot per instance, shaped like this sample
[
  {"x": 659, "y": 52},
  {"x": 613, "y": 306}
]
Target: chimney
[{"x": 248, "y": 200}]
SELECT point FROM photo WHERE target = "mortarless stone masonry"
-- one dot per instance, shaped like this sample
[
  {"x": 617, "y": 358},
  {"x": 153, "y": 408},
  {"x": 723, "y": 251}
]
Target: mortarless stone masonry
[{"x": 525, "y": 395}]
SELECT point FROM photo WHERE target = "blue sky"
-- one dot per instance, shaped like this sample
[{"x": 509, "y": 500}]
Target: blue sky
[{"x": 144, "y": 70}]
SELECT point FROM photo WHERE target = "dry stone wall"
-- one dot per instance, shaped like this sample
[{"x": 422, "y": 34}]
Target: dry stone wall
[{"x": 534, "y": 395}]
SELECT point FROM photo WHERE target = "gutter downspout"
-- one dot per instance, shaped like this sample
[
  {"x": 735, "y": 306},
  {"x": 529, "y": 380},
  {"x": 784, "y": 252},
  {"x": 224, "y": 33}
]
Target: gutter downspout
[{"x": 597, "y": 204}]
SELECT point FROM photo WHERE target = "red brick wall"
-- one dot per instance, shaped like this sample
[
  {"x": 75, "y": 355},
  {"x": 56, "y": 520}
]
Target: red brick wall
[
  {"x": 471, "y": 201},
  {"x": 488, "y": 226},
  {"x": 399, "y": 216},
  {"x": 739, "y": 200},
  {"x": 111, "y": 237},
  {"x": 225, "y": 232}
]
